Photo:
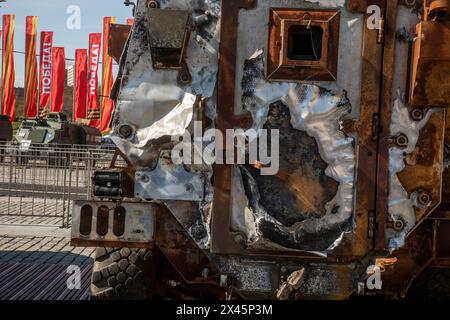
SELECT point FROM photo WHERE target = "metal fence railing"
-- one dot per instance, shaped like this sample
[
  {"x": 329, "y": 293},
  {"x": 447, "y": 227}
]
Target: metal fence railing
[{"x": 43, "y": 180}]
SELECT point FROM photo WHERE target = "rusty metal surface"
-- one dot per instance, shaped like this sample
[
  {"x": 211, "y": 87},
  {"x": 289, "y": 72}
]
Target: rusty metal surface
[
  {"x": 437, "y": 9},
  {"x": 182, "y": 252},
  {"x": 189, "y": 216},
  {"x": 281, "y": 67},
  {"x": 412, "y": 260},
  {"x": 430, "y": 79},
  {"x": 227, "y": 119},
  {"x": 363, "y": 240},
  {"x": 118, "y": 36},
  {"x": 77, "y": 242},
  {"x": 443, "y": 211},
  {"x": 440, "y": 263},
  {"x": 362, "y": 5},
  {"x": 382, "y": 191},
  {"x": 424, "y": 167},
  {"x": 226, "y": 115}
]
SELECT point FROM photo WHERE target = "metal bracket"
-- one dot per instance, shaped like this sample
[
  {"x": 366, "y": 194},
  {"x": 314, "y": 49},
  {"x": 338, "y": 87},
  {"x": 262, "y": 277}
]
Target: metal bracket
[{"x": 169, "y": 181}]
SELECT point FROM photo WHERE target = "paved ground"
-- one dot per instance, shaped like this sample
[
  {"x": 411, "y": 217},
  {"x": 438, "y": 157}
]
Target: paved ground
[
  {"x": 34, "y": 260},
  {"x": 30, "y": 221}
]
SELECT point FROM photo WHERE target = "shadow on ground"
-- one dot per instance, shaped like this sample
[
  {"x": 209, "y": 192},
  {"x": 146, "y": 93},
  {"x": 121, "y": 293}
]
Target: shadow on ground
[{"x": 38, "y": 275}]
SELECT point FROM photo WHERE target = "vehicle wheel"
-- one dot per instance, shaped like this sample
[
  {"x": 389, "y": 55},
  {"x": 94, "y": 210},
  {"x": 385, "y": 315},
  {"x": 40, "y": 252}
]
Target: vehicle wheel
[
  {"x": 431, "y": 284},
  {"x": 122, "y": 273}
]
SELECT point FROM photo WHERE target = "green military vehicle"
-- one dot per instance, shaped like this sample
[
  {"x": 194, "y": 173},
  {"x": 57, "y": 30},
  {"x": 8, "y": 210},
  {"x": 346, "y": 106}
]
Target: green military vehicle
[
  {"x": 56, "y": 130},
  {"x": 52, "y": 137}
]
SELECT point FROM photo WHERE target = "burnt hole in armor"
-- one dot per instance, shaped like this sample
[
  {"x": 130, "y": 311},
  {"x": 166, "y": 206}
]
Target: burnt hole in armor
[
  {"x": 301, "y": 189},
  {"x": 305, "y": 240}
]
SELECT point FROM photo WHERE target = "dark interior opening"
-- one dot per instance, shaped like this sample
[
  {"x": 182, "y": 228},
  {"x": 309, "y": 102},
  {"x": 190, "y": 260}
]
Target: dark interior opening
[
  {"x": 86, "y": 220},
  {"x": 102, "y": 220},
  {"x": 119, "y": 221},
  {"x": 305, "y": 43}
]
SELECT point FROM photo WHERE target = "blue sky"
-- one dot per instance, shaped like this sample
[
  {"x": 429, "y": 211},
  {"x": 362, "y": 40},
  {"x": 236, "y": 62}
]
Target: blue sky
[{"x": 53, "y": 17}]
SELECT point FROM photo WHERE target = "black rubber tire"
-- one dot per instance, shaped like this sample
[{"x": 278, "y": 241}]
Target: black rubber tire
[
  {"x": 122, "y": 273},
  {"x": 432, "y": 284}
]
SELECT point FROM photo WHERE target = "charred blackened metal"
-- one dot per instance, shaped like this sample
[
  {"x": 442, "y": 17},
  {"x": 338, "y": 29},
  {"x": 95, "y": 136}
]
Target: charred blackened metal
[
  {"x": 301, "y": 188},
  {"x": 328, "y": 162}
]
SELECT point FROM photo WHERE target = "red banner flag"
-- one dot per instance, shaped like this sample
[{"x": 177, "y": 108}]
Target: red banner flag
[
  {"x": 80, "y": 87},
  {"x": 58, "y": 79},
  {"x": 107, "y": 83},
  {"x": 31, "y": 74},
  {"x": 8, "y": 79},
  {"x": 130, "y": 21},
  {"x": 45, "y": 87},
  {"x": 95, "y": 41}
]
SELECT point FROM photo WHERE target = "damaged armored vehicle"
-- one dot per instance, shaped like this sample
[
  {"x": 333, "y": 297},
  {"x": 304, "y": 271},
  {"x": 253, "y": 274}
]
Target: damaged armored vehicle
[
  {"x": 55, "y": 129},
  {"x": 294, "y": 149}
]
